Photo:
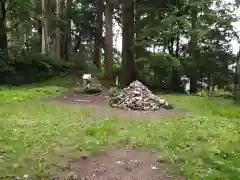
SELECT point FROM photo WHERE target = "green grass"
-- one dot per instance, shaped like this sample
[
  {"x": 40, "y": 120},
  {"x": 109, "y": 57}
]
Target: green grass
[
  {"x": 37, "y": 136},
  {"x": 212, "y": 106},
  {"x": 18, "y": 95},
  {"x": 34, "y": 135},
  {"x": 50, "y": 88}
]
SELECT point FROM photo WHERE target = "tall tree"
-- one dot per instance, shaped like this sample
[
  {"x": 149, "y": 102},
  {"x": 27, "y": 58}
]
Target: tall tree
[
  {"x": 108, "y": 61},
  {"x": 193, "y": 48},
  {"x": 45, "y": 27},
  {"x": 237, "y": 79},
  {"x": 237, "y": 75},
  {"x": 59, "y": 34},
  {"x": 67, "y": 49},
  {"x": 128, "y": 72},
  {"x": 98, "y": 32},
  {"x": 3, "y": 29}
]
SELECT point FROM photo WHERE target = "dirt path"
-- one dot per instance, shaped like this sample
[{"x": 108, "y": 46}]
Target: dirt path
[
  {"x": 100, "y": 104},
  {"x": 123, "y": 164},
  {"x": 118, "y": 164}
]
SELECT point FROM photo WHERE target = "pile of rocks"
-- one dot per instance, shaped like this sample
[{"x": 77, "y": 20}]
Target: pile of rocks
[{"x": 138, "y": 97}]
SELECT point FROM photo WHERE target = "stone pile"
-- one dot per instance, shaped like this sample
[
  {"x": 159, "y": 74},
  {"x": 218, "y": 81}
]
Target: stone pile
[{"x": 138, "y": 97}]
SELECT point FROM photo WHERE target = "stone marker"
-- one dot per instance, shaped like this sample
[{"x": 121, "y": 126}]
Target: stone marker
[{"x": 138, "y": 97}]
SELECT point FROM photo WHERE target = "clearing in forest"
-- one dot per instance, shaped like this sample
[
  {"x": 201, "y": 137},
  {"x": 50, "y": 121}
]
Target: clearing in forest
[{"x": 42, "y": 138}]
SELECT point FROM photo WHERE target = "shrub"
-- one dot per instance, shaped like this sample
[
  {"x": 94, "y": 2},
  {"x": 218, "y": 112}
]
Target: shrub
[
  {"x": 156, "y": 70},
  {"x": 81, "y": 63},
  {"x": 78, "y": 62},
  {"x": 202, "y": 93},
  {"x": 114, "y": 91},
  {"x": 26, "y": 67},
  {"x": 223, "y": 94},
  {"x": 229, "y": 88},
  {"x": 113, "y": 95},
  {"x": 218, "y": 93}
]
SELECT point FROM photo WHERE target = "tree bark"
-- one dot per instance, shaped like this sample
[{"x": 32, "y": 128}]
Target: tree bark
[
  {"x": 39, "y": 29},
  {"x": 192, "y": 52},
  {"x": 237, "y": 80},
  {"x": 58, "y": 30},
  {"x": 164, "y": 44},
  {"x": 77, "y": 43},
  {"x": 128, "y": 72},
  {"x": 170, "y": 46},
  {"x": 175, "y": 79},
  {"x": 98, "y": 33},
  {"x": 137, "y": 32},
  {"x": 177, "y": 45},
  {"x": 108, "y": 61},
  {"x": 45, "y": 28},
  {"x": 193, "y": 84},
  {"x": 3, "y": 29},
  {"x": 67, "y": 49},
  {"x": 59, "y": 34}
]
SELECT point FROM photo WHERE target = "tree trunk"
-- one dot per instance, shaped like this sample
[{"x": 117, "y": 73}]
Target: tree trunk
[
  {"x": 3, "y": 29},
  {"x": 137, "y": 31},
  {"x": 237, "y": 80},
  {"x": 177, "y": 45},
  {"x": 154, "y": 49},
  {"x": 67, "y": 49},
  {"x": 59, "y": 34},
  {"x": 45, "y": 28},
  {"x": 176, "y": 79},
  {"x": 39, "y": 29},
  {"x": 98, "y": 33},
  {"x": 58, "y": 30},
  {"x": 128, "y": 72},
  {"x": 77, "y": 43},
  {"x": 164, "y": 44},
  {"x": 170, "y": 46},
  {"x": 192, "y": 52},
  {"x": 108, "y": 61},
  {"x": 193, "y": 84},
  {"x": 209, "y": 84}
]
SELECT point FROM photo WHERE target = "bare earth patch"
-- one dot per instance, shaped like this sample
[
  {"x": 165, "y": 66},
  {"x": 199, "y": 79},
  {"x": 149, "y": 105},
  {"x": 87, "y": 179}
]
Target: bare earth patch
[
  {"x": 100, "y": 104},
  {"x": 116, "y": 164},
  {"x": 121, "y": 164}
]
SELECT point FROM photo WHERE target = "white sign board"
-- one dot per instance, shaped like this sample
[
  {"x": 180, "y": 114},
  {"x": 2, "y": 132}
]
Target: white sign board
[{"x": 87, "y": 76}]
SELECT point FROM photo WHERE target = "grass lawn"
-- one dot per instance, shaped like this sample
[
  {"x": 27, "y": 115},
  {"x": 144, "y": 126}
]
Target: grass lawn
[
  {"x": 36, "y": 136},
  {"x": 206, "y": 106}
]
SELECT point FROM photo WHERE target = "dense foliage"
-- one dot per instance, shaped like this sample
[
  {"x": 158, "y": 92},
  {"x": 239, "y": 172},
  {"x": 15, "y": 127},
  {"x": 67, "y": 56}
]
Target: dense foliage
[{"x": 161, "y": 41}]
